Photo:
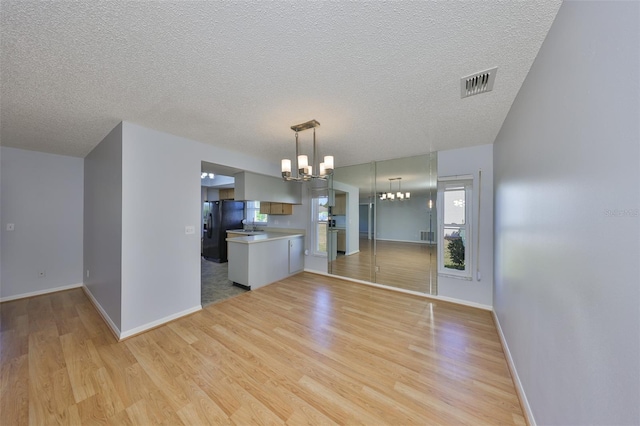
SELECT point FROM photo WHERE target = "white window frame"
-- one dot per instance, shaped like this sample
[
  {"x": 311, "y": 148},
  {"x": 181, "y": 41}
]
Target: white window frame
[
  {"x": 316, "y": 195},
  {"x": 449, "y": 183},
  {"x": 251, "y": 208}
]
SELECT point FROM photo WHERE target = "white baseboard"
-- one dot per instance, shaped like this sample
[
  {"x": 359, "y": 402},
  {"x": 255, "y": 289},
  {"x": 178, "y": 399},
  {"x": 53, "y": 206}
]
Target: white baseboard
[
  {"x": 514, "y": 374},
  {"x": 159, "y": 322},
  {"x": 401, "y": 290},
  {"x": 112, "y": 326},
  {"x": 39, "y": 292},
  {"x": 407, "y": 241}
]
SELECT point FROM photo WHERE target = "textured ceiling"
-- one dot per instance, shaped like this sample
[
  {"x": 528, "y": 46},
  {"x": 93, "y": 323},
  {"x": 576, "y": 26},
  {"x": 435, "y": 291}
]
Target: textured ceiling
[{"x": 382, "y": 78}]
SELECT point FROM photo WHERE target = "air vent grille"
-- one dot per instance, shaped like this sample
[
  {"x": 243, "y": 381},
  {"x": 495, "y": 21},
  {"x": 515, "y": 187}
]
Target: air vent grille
[
  {"x": 426, "y": 236},
  {"x": 477, "y": 83}
]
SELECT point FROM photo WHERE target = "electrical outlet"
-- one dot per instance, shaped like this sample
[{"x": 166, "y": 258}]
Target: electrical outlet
[
  {"x": 11, "y": 226},
  {"x": 41, "y": 274},
  {"x": 189, "y": 230},
  {"x": 87, "y": 273}
]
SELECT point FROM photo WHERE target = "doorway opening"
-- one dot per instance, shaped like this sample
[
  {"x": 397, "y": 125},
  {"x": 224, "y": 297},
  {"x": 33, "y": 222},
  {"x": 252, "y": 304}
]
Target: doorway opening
[{"x": 220, "y": 212}]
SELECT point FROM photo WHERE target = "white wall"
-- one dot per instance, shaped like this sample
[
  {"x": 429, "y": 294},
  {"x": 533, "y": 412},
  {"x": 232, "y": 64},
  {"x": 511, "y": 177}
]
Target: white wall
[
  {"x": 103, "y": 225},
  {"x": 160, "y": 263},
  {"x": 468, "y": 161},
  {"x": 42, "y": 196},
  {"x": 567, "y": 182},
  {"x": 403, "y": 220}
]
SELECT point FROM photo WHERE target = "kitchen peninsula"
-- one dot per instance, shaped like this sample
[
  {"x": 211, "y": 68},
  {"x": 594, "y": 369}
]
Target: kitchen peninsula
[{"x": 263, "y": 258}]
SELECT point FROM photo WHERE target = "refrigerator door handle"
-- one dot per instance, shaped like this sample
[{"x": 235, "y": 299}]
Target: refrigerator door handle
[{"x": 210, "y": 226}]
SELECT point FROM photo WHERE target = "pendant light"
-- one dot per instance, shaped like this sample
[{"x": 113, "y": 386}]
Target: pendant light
[
  {"x": 391, "y": 196},
  {"x": 304, "y": 168}
]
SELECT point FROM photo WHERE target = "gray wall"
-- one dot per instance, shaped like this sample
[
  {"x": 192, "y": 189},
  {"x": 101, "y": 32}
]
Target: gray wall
[
  {"x": 403, "y": 220},
  {"x": 567, "y": 184},
  {"x": 42, "y": 196},
  {"x": 103, "y": 224}
]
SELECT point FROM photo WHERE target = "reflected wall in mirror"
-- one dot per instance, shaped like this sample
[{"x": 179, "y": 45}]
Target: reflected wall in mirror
[
  {"x": 352, "y": 229},
  {"x": 395, "y": 219}
]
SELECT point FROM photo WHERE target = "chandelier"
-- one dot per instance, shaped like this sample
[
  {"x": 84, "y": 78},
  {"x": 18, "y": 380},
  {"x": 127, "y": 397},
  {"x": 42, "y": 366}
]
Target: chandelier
[
  {"x": 390, "y": 196},
  {"x": 304, "y": 168}
]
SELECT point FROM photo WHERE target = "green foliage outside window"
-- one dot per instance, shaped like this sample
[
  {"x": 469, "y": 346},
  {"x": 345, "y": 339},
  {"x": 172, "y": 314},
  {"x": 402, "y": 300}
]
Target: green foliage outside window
[{"x": 456, "y": 254}]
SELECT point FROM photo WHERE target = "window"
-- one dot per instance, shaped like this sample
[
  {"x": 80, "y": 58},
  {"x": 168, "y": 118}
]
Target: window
[
  {"x": 253, "y": 213},
  {"x": 320, "y": 212},
  {"x": 454, "y": 226}
]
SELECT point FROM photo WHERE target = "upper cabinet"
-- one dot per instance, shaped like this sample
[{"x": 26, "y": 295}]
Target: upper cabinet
[
  {"x": 226, "y": 194},
  {"x": 340, "y": 207},
  {"x": 275, "y": 208},
  {"x": 252, "y": 186}
]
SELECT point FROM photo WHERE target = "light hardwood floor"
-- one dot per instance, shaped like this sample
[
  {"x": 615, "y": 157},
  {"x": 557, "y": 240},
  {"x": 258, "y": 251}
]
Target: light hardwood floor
[
  {"x": 409, "y": 266},
  {"x": 306, "y": 350}
]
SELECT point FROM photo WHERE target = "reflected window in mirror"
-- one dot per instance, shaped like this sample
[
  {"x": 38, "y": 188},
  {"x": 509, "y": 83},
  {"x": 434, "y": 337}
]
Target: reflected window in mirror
[{"x": 320, "y": 217}]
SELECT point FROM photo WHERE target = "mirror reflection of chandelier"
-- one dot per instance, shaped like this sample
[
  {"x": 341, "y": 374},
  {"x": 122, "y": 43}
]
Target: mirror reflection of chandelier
[
  {"x": 305, "y": 168},
  {"x": 399, "y": 195}
]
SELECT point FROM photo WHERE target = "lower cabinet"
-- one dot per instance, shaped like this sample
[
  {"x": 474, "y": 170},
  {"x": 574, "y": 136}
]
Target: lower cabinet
[
  {"x": 260, "y": 263},
  {"x": 296, "y": 255}
]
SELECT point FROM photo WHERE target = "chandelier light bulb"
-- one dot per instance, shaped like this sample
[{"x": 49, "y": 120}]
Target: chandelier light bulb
[
  {"x": 328, "y": 162},
  {"x": 286, "y": 165},
  {"x": 303, "y": 161}
]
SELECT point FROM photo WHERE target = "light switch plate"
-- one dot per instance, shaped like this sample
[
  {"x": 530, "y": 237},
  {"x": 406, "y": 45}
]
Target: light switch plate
[
  {"x": 189, "y": 230},
  {"x": 11, "y": 226}
]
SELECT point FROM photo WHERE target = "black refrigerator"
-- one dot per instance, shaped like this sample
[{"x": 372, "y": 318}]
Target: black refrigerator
[{"x": 220, "y": 216}]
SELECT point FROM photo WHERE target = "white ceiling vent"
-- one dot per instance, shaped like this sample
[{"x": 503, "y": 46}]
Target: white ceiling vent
[{"x": 477, "y": 83}]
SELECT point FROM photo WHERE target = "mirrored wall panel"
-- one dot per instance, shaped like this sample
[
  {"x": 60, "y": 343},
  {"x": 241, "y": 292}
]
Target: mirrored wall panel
[{"x": 389, "y": 236}]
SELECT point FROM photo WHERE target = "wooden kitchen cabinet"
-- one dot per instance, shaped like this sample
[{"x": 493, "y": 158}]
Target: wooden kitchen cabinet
[
  {"x": 276, "y": 208},
  {"x": 226, "y": 194},
  {"x": 340, "y": 207},
  {"x": 342, "y": 240}
]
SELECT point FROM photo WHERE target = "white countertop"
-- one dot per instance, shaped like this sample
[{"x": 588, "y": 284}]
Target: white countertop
[{"x": 264, "y": 237}]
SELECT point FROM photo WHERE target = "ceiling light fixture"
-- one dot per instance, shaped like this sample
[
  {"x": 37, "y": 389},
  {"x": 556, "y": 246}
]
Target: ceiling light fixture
[
  {"x": 205, "y": 174},
  {"x": 304, "y": 169},
  {"x": 399, "y": 194}
]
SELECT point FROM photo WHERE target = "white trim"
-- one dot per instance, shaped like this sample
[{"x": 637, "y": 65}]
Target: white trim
[
  {"x": 401, "y": 290},
  {"x": 454, "y": 177},
  {"x": 40, "y": 292},
  {"x": 353, "y": 252},
  {"x": 469, "y": 255},
  {"x": 406, "y": 241},
  {"x": 161, "y": 321},
  {"x": 114, "y": 329},
  {"x": 514, "y": 374},
  {"x": 456, "y": 277}
]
